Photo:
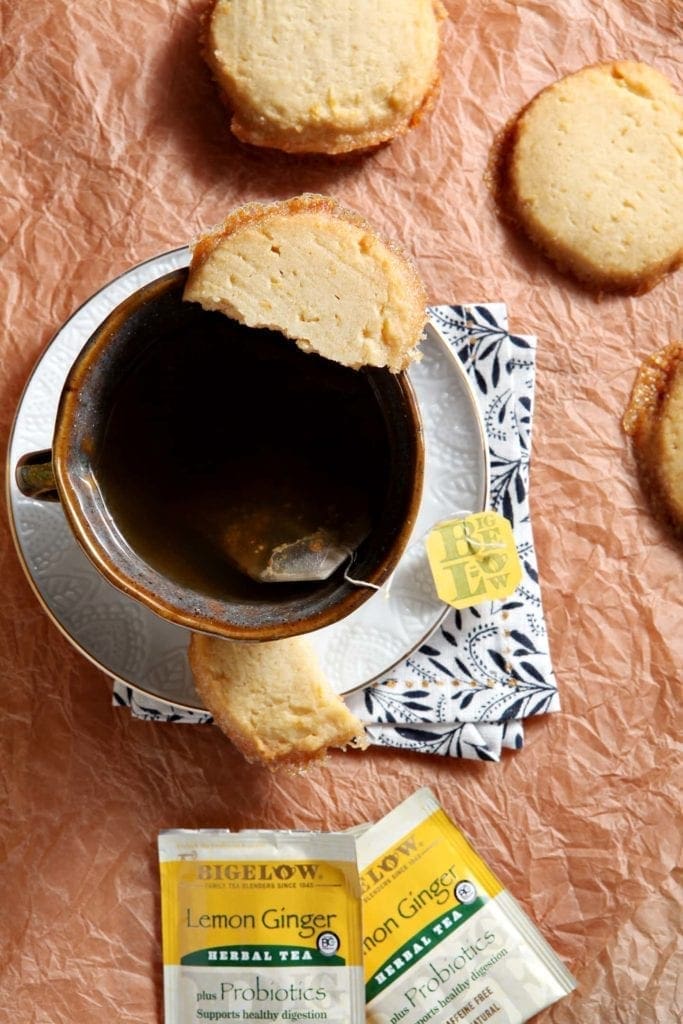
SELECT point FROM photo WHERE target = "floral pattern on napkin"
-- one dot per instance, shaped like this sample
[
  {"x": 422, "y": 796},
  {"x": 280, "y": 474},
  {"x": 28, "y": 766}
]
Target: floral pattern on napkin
[
  {"x": 489, "y": 664},
  {"x": 465, "y": 692}
]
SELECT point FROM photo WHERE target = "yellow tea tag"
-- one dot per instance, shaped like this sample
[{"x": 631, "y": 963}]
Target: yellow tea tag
[{"x": 473, "y": 559}]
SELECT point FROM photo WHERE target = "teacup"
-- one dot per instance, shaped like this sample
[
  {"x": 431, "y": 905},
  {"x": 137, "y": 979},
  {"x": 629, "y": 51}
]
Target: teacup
[{"x": 178, "y": 429}]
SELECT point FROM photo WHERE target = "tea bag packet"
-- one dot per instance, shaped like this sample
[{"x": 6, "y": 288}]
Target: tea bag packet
[
  {"x": 260, "y": 925},
  {"x": 443, "y": 940}
]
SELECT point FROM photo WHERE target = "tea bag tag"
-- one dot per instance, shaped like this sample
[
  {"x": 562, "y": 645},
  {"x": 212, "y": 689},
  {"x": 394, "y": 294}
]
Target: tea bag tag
[{"x": 473, "y": 559}]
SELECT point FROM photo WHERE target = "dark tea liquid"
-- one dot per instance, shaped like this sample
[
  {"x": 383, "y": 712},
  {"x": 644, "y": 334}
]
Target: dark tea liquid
[{"x": 217, "y": 430}]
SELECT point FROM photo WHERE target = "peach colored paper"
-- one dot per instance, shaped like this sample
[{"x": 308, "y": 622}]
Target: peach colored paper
[{"x": 114, "y": 148}]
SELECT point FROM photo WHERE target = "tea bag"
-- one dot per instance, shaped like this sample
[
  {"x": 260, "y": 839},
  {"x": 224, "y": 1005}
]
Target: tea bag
[
  {"x": 260, "y": 925},
  {"x": 280, "y": 545},
  {"x": 444, "y": 940}
]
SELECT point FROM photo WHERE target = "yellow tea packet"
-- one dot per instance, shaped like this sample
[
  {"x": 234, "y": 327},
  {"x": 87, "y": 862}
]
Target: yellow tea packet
[
  {"x": 444, "y": 942},
  {"x": 260, "y": 925}
]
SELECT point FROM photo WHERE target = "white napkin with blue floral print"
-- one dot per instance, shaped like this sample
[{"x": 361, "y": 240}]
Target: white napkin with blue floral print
[{"x": 467, "y": 690}]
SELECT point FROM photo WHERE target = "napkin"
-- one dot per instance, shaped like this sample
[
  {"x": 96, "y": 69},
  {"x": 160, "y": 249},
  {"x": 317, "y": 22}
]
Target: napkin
[{"x": 467, "y": 690}]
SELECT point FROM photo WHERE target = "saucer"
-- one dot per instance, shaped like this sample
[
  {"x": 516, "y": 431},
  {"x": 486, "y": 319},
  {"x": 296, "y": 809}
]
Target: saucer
[{"x": 134, "y": 645}]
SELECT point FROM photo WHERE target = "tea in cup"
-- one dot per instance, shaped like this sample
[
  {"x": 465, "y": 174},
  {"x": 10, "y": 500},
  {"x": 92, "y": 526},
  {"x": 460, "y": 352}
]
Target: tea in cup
[{"x": 184, "y": 441}]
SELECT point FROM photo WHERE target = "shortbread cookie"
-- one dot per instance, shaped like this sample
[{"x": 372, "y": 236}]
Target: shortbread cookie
[
  {"x": 654, "y": 420},
  {"x": 272, "y": 700},
  {"x": 311, "y": 77},
  {"x": 593, "y": 173},
  {"x": 318, "y": 274}
]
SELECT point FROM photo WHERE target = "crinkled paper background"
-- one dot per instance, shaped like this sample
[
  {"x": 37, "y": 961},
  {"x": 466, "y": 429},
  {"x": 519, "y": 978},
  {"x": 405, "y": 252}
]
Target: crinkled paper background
[{"x": 114, "y": 148}]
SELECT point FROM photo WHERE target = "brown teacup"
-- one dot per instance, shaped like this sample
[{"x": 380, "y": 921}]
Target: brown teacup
[{"x": 177, "y": 428}]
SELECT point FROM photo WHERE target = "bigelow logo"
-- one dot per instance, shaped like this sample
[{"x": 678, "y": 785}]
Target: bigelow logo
[
  {"x": 238, "y": 871},
  {"x": 388, "y": 864}
]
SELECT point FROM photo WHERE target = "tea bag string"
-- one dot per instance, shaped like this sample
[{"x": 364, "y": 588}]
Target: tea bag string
[
  {"x": 361, "y": 583},
  {"x": 478, "y": 547}
]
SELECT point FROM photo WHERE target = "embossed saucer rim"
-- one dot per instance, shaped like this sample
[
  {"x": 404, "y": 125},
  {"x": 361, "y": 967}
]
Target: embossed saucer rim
[
  {"x": 181, "y": 252},
  {"x": 9, "y": 471},
  {"x": 485, "y": 496}
]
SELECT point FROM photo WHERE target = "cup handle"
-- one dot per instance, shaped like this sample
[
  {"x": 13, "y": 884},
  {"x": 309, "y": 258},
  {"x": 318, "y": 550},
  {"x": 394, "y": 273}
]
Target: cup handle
[{"x": 35, "y": 476}]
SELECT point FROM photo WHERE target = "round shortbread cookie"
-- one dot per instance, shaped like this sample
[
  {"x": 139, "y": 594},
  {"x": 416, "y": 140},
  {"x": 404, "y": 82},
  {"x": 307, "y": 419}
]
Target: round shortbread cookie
[
  {"x": 311, "y": 77},
  {"x": 318, "y": 274},
  {"x": 593, "y": 172},
  {"x": 654, "y": 419}
]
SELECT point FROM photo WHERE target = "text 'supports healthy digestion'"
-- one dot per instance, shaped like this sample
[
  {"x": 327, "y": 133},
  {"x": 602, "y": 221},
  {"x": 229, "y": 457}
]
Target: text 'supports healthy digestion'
[{"x": 444, "y": 942}]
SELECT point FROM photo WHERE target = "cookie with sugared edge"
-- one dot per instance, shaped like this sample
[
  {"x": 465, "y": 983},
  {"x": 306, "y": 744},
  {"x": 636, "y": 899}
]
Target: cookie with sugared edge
[
  {"x": 312, "y": 77},
  {"x": 654, "y": 420},
  {"x": 317, "y": 273},
  {"x": 593, "y": 173}
]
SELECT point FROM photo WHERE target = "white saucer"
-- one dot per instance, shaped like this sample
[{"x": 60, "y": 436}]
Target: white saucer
[{"x": 134, "y": 645}]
